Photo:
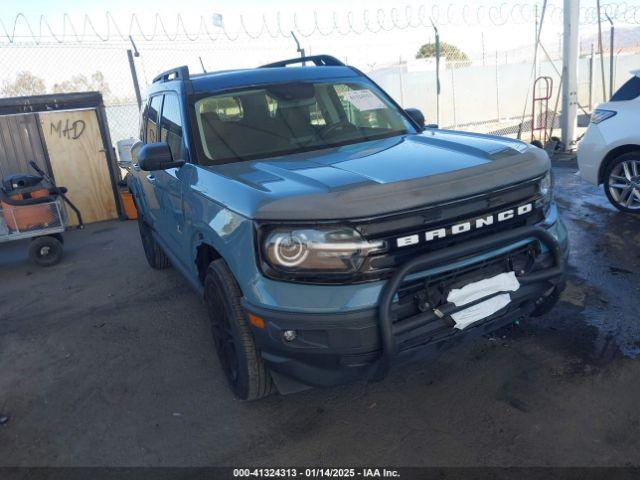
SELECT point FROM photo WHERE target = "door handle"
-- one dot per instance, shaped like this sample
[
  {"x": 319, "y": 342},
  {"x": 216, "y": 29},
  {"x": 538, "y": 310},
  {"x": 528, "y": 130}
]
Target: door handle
[
  {"x": 151, "y": 178},
  {"x": 136, "y": 167}
]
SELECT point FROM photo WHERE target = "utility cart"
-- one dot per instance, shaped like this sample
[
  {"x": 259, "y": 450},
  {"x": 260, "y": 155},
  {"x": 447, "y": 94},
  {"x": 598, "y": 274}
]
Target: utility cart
[{"x": 33, "y": 206}]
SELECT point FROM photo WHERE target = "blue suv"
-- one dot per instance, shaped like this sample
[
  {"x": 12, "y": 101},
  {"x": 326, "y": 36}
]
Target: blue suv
[{"x": 331, "y": 234}]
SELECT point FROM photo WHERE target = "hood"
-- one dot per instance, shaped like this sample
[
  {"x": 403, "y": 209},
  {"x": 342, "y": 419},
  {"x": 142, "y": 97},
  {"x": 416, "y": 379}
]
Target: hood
[{"x": 372, "y": 178}]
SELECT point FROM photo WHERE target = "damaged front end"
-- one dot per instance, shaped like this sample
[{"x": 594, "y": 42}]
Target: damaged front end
[{"x": 425, "y": 313}]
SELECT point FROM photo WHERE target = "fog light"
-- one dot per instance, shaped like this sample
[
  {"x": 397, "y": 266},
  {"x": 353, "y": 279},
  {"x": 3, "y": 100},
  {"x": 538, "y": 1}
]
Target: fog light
[{"x": 289, "y": 335}]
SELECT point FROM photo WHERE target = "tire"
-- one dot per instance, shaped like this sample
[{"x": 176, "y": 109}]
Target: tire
[
  {"x": 239, "y": 356},
  {"x": 622, "y": 182},
  {"x": 45, "y": 251},
  {"x": 155, "y": 255}
]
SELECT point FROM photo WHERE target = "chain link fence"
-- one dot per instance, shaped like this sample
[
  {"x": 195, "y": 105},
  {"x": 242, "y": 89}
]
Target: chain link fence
[
  {"x": 485, "y": 86},
  {"x": 494, "y": 93}
]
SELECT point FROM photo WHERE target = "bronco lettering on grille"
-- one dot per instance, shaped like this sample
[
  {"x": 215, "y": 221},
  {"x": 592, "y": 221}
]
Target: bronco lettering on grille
[{"x": 464, "y": 227}]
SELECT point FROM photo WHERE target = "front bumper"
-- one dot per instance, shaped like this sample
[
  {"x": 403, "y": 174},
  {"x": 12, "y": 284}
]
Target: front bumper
[
  {"x": 592, "y": 150},
  {"x": 336, "y": 348}
]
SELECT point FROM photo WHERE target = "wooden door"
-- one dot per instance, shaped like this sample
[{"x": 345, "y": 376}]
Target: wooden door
[{"x": 78, "y": 162}]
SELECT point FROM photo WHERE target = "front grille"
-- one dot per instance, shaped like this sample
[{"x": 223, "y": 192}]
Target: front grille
[
  {"x": 459, "y": 209},
  {"x": 433, "y": 291},
  {"x": 520, "y": 260},
  {"x": 384, "y": 263}
]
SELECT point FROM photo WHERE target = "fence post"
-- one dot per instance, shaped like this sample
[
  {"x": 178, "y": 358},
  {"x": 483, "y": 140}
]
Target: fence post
[
  {"x": 570, "y": 72},
  {"x": 437, "y": 39},
  {"x": 592, "y": 64},
  {"x": 601, "y": 48},
  {"x": 497, "y": 88},
  {"x": 483, "y": 52},
  {"x": 611, "y": 42},
  {"x": 536, "y": 40},
  {"x": 401, "y": 82},
  {"x": 453, "y": 94},
  {"x": 134, "y": 78}
]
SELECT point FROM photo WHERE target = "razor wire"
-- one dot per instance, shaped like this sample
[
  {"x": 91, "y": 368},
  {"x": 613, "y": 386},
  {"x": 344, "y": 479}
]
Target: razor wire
[
  {"x": 79, "y": 46},
  {"x": 279, "y": 25}
]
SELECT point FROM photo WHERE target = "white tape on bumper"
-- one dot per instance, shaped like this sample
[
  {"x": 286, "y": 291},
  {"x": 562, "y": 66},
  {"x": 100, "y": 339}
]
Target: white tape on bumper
[{"x": 504, "y": 282}]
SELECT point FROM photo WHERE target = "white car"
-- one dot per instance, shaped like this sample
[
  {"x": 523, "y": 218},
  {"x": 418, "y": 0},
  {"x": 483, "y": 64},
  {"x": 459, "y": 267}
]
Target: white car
[{"x": 609, "y": 152}]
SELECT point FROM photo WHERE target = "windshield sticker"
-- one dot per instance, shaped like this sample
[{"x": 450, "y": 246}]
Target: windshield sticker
[{"x": 363, "y": 100}]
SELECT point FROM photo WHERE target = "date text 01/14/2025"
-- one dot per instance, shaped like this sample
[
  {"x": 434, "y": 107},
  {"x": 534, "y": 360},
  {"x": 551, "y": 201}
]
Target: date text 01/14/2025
[{"x": 315, "y": 473}]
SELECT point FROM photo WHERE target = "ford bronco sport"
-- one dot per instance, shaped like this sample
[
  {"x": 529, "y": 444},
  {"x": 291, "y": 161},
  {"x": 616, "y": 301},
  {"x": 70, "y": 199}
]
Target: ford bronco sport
[{"x": 329, "y": 232}]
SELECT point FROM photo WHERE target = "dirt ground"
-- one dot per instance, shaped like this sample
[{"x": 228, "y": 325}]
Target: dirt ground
[{"x": 104, "y": 361}]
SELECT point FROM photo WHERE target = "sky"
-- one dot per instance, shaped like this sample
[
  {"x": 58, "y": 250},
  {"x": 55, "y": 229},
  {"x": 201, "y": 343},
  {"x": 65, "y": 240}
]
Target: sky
[{"x": 46, "y": 7}]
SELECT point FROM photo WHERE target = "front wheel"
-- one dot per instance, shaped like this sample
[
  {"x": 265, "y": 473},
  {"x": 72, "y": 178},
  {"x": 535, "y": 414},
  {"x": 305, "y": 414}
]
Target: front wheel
[
  {"x": 239, "y": 356},
  {"x": 45, "y": 251},
  {"x": 622, "y": 182}
]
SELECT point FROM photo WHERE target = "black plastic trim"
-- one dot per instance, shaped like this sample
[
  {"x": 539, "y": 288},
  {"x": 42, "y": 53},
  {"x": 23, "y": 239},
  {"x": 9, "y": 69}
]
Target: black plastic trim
[
  {"x": 439, "y": 257},
  {"x": 179, "y": 73},
  {"x": 317, "y": 60}
]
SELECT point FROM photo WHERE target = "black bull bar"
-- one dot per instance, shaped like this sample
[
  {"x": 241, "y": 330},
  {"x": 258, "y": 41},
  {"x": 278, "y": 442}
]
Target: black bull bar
[{"x": 389, "y": 330}]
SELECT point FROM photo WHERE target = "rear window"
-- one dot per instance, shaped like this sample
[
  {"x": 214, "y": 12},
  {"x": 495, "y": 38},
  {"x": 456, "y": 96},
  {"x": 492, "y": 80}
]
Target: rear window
[{"x": 628, "y": 91}]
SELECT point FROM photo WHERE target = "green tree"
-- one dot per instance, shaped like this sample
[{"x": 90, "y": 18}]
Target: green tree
[
  {"x": 24, "y": 84},
  {"x": 454, "y": 56}
]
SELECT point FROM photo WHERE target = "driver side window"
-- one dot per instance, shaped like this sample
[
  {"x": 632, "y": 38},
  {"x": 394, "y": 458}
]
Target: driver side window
[
  {"x": 153, "y": 119},
  {"x": 171, "y": 124}
]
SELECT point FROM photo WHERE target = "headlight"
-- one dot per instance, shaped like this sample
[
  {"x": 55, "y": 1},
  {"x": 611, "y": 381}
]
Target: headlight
[
  {"x": 308, "y": 252},
  {"x": 545, "y": 189},
  {"x": 601, "y": 115}
]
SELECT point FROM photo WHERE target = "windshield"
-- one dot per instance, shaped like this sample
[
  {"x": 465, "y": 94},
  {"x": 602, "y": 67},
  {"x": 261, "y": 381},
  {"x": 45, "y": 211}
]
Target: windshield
[{"x": 293, "y": 117}]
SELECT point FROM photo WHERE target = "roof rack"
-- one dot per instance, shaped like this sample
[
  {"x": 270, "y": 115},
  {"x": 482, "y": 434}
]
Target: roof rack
[
  {"x": 317, "y": 60},
  {"x": 178, "y": 73}
]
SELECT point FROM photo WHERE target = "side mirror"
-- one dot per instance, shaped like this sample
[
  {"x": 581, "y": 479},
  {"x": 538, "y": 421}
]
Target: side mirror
[
  {"x": 417, "y": 116},
  {"x": 157, "y": 156}
]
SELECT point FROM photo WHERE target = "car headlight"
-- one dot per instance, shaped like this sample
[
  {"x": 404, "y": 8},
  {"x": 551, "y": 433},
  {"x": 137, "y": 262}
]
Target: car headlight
[
  {"x": 299, "y": 252},
  {"x": 545, "y": 189},
  {"x": 599, "y": 115}
]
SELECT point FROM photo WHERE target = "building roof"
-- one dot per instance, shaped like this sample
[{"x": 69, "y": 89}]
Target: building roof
[{"x": 55, "y": 101}]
